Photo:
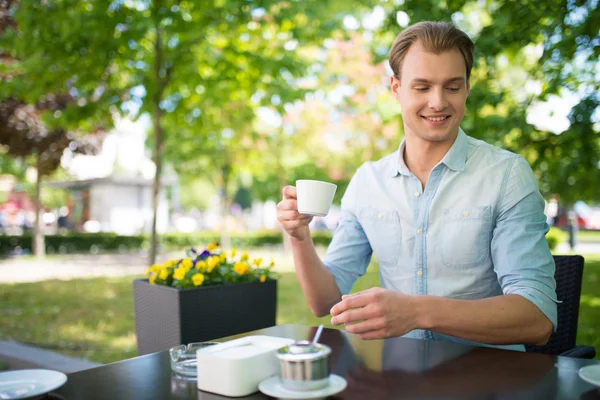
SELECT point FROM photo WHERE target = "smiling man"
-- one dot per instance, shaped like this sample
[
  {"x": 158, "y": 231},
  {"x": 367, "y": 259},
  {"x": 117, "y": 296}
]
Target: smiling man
[{"x": 457, "y": 225}]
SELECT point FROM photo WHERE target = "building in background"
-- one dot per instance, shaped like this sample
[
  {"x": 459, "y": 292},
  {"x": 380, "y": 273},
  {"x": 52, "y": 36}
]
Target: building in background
[{"x": 112, "y": 191}]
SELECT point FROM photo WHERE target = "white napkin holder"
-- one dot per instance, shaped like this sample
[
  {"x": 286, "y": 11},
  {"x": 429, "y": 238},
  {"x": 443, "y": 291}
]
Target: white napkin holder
[{"x": 235, "y": 368}]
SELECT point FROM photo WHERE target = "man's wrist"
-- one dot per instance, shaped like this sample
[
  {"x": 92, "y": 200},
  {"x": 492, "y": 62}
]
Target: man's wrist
[
  {"x": 305, "y": 237},
  {"x": 425, "y": 308}
]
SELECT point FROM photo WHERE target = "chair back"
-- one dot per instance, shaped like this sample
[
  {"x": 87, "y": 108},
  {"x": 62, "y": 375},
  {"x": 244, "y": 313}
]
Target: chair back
[{"x": 568, "y": 275}]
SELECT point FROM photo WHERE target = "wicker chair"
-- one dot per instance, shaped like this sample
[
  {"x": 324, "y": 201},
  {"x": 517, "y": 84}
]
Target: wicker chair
[{"x": 568, "y": 275}]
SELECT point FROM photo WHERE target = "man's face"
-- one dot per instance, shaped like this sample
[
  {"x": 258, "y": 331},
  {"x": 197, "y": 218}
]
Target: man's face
[{"x": 432, "y": 92}]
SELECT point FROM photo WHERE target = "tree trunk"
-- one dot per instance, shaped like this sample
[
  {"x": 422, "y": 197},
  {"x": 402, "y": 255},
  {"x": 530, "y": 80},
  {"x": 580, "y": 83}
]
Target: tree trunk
[
  {"x": 39, "y": 248},
  {"x": 282, "y": 182},
  {"x": 158, "y": 142},
  {"x": 225, "y": 171}
]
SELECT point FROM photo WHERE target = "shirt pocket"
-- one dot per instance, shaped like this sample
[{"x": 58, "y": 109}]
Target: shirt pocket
[
  {"x": 466, "y": 237},
  {"x": 384, "y": 232}
]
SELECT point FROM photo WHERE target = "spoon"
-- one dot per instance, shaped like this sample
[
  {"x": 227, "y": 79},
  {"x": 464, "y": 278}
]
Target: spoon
[{"x": 317, "y": 335}]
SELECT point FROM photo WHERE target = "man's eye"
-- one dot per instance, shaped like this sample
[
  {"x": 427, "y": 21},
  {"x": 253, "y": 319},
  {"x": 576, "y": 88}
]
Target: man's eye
[
  {"x": 453, "y": 90},
  {"x": 421, "y": 89}
]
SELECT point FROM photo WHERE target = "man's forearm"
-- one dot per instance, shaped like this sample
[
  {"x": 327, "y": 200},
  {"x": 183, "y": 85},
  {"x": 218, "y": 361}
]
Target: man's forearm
[
  {"x": 317, "y": 283},
  {"x": 508, "y": 319}
]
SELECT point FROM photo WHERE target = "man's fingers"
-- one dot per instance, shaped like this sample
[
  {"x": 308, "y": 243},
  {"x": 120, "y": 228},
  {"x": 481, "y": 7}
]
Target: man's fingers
[
  {"x": 354, "y": 314},
  {"x": 293, "y": 224},
  {"x": 291, "y": 215},
  {"x": 357, "y": 300},
  {"x": 287, "y": 204},
  {"x": 289, "y": 192},
  {"x": 346, "y": 317},
  {"x": 366, "y": 326}
]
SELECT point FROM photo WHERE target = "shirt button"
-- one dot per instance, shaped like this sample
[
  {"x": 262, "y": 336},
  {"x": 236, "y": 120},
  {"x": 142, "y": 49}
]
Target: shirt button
[
  {"x": 419, "y": 231},
  {"x": 420, "y": 272},
  {"x": 466, "y": 213},
  {"x": 417, "y": 194},
  {"x": 380, "y": 216}
]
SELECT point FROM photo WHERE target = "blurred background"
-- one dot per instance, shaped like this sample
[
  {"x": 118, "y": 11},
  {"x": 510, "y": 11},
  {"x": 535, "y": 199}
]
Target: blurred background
[{"x": 131, "y": 130}]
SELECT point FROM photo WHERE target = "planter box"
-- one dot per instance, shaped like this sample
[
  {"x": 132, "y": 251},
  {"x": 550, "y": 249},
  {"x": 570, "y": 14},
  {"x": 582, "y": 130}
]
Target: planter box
[{"x": 167, "y": 317}]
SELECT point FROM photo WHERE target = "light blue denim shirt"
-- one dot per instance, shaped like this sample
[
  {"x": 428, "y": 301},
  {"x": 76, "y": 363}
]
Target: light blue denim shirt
[{"x": 476, "y": 231}]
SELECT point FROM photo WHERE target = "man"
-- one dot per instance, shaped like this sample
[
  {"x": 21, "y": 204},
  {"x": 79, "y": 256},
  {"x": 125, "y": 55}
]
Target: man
[{"x": 457, "y": 225}]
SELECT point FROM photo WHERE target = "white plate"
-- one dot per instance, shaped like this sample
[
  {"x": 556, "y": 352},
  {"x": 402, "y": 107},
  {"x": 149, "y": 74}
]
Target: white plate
[
  {"x": 272, "y": 387},
  {"x": 29, "y": 382},
  {"x": 590, "y": 374}
]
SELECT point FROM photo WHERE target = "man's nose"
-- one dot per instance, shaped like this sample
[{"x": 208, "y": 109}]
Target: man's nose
[{"x": 437, "y": 101}]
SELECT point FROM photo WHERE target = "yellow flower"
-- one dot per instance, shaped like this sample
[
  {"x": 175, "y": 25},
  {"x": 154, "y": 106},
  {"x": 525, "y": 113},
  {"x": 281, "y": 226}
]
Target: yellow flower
[
  {"x": 201, "y": 266},
  {"x": 257, "y": 261},
  {"x": 179, "y": 274},
  {"x": 223, "y": 257},
  {"x": 170, "y": 263},
  {"x": 272, "y": 264},
  {"x": 186, "y": 264},
  {"x": 164, "y": 274},
  {"x": 263, "y": 278},
  {"x": 198, "y": 279},
  {"x": 153, "y": 279},
  {"x": 233, "y": 252},
  {"x": 212, "y": 246},
  {"x": 155, "y": 269},
  {"x": 244, "y": 256},
  {"x": 212, "y": 262},
  {"x": 241, "y": 268}
]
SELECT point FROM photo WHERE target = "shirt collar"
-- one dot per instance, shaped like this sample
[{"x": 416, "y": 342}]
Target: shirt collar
[
  {"x": 400, "y": 165},
  {"x": 455, "y": 159}
]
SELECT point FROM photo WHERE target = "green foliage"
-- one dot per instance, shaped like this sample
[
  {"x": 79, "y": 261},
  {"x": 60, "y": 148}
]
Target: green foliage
[
  {"x": 178, "y": 241},
  {"x": 106, "y": 242},
  {"x": 552, "y": 51},
  {"x": 195, "y": 194},
  {"x": 243, "y": 197},
  {"x": 86, "y": 242},
  {"x": 555, "y": 236},
  {"x": 74, "y": 243}
]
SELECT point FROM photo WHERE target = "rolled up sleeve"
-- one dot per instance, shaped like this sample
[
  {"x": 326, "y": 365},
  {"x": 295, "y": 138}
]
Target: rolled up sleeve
[
  {"x": 349, "y": 252},
  {"x": 522, "y": 258}
]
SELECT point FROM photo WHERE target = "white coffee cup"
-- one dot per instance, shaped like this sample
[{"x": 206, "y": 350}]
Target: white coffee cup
[{"x": 314, "y": 197}]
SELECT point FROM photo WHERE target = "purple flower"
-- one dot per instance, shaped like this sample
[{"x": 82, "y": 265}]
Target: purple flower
[{"x": 204, "y": 255}]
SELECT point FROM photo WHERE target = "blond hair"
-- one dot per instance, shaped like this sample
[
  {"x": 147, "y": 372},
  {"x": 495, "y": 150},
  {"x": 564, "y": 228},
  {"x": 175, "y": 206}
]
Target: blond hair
[{"x": 435, "y": 37}]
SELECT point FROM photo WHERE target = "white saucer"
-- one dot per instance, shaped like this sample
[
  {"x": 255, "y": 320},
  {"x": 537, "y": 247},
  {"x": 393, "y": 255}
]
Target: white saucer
[
  {"x": 590, "y": 374},
  {"x": 272, "y": 387},
  {"x": 29, "y": 382}
]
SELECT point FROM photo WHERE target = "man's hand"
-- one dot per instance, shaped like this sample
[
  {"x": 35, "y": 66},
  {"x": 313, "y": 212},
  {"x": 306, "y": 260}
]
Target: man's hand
[
  {"x": 294, "y": 223},
  {"x": 376, "y": 313}
]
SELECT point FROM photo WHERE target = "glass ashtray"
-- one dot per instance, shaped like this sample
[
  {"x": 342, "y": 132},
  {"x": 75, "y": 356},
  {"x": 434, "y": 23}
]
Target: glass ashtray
[{"x": 183, "y": 358}]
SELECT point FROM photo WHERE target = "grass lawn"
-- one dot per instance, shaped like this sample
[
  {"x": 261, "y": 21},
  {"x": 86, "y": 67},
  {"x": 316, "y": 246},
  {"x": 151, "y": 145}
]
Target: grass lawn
[
  {"x": 589, "y": 236},
  {"x": 93, "y": 318}
]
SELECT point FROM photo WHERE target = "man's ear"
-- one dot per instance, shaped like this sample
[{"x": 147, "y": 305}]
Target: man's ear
[{"x": 395, "y": 86}]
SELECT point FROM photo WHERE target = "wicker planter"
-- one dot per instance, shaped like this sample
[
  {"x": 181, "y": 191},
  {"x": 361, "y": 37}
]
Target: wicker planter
[{"x": 166, "y": 316}]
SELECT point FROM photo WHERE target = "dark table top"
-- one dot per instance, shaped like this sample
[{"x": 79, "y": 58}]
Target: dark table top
[{"x": 395, "y": 368}]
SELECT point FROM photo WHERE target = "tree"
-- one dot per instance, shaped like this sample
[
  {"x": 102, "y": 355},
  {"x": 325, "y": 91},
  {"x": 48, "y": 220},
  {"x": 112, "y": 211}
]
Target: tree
[
  {"x": 22, "y": 129},
  {"x": 159, "y": 56},
  {"x": 552, "y": 51}
]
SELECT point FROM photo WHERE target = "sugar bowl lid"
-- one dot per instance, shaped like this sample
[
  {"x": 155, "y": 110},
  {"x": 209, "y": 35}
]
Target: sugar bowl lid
[{"x": 303, "y": 350}]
